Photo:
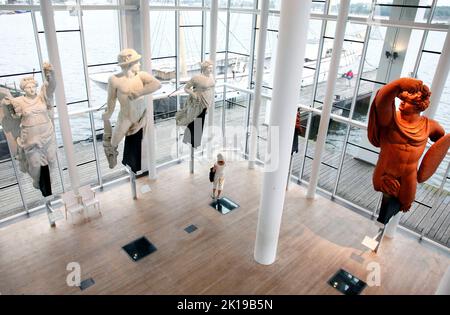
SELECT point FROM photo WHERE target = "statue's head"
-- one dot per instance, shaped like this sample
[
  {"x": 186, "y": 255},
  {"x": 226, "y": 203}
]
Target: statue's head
[
  {"x": 418, "y": 101},
  {"x": 206, "y": 67},
  {"x": 28, "y": 85},
  {"x": 129, "y": 59}
]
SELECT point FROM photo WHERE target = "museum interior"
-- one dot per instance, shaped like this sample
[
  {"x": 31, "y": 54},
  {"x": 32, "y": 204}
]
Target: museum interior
[{"x": 224, "y": 147}]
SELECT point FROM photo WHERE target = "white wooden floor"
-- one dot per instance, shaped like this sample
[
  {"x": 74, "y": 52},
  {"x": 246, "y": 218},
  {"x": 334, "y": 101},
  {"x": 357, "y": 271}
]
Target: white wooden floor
[{"x": 317, "y": 238}]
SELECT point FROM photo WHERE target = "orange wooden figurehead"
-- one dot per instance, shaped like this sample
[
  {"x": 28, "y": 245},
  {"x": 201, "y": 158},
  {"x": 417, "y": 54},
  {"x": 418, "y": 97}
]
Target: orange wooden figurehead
[{"x": 402, "y": 137}]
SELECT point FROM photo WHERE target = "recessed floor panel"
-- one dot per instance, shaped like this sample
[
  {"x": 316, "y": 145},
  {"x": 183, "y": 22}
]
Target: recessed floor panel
[
  {"x": 139, "y": 248},
  {"x": 224, "y": 205},
  {"x": 346, "y": 283}
]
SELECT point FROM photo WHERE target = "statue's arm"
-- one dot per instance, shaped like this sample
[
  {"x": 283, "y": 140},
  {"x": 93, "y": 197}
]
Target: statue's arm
[
  {"x": 111, "y": 102},
  {"x": 151, "y": 84},
  {"x": 49, "y": 86},
  {"x": 436, "y": 130},
  {"x": 188, "y": 88},
  {"x": 14, "y": 107},
  {"x": 49, "y": 74},
  {"x": 433, "y": 158},
  {"x": 384, "y": 101}
]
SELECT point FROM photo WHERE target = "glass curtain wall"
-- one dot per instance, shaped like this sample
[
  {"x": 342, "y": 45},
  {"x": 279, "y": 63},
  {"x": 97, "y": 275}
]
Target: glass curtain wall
[{"x": 384, "y": 40}]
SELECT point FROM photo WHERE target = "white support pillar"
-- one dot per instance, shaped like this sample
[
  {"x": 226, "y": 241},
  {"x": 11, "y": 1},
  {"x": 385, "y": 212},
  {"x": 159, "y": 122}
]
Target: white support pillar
[
  {"x": 440, "y": 78},
  {"x": 48, "y": 21},
  {"x": 261, "y": 54},
  {"x": 150, "y": 136},
  {"x": 294, "y": 20},
  {"x": 213, "y": 19},
  {"x": 329, "y": 93},
  {"x": 122, "y": 27}
]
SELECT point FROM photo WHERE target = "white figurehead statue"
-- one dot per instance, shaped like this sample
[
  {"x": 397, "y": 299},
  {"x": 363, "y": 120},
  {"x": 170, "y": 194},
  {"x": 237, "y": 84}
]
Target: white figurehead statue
[
  {"x": 201, "y": 97},
  {"x": 129, "y": 87},
  {"x": 28, "y": 123}
]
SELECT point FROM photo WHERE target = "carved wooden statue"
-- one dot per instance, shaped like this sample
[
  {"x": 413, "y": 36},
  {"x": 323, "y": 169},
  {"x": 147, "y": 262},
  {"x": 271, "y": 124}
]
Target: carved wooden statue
[
  {"x": 129, "y": 87},
  {"x": 201, "y": 97},
  {"x": 28, "y": 122},
  {"x": 402, "y": 137}
]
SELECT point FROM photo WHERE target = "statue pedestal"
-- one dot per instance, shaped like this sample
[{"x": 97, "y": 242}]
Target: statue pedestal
[
  {"x": 391, "y": 227},
  {"x": 390, "y": 207},
  {"x": 132, "y": 181},
  {"x": 388, "y": 220}
]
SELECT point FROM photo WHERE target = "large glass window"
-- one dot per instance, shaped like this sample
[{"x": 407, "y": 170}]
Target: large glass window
[{"x": 399, "y": 39}]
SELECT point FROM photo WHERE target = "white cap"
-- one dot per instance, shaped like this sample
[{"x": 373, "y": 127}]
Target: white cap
[{"x": 220, "y": 157}]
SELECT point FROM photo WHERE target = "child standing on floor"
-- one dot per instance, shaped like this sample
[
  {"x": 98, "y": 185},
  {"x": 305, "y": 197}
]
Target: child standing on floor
[{"x": 219, "y": 178}]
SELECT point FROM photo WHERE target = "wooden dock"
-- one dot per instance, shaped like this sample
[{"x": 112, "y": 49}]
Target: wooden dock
[{"x": 355, "y": 185}]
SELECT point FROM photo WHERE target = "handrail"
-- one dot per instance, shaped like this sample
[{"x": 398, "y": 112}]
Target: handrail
[
  {"x": 305, "y": 108},
  {"x": 352, "y": 122},
  {"x": 97, "y": 108}
]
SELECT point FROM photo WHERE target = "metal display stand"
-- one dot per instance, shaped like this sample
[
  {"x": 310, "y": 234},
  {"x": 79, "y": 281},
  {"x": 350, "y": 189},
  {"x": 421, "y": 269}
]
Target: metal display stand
[
  {"x": 191, "y": 165},
  {"x": 53, "y": 214},
  {"x": 387, "y": 230},
  {"x": 49, "y": 210},
  {"x": 132, "y": 181},
  {"x": 290, "y": 172}
]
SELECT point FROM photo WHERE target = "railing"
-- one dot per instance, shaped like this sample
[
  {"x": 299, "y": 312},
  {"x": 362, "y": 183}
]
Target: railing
[
  {"x": 430, "y": 205},
  {"x": 336, "y": 195},
  {"x": 27, "y": 200}
]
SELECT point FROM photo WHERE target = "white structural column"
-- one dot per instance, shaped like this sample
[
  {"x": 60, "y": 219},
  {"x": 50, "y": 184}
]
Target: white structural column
[
  {"x": 48, "y": 21},
  {"x": 213, "y": 17},
  {"x": 147, "y": 65},
  {"x": 260, "y": 56},
  {"x": 294, "y": 20},
  {"x": 122, "y": 26},
  {"x": 440, "y": 78},
  {"x": 329, "y": 93}
]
